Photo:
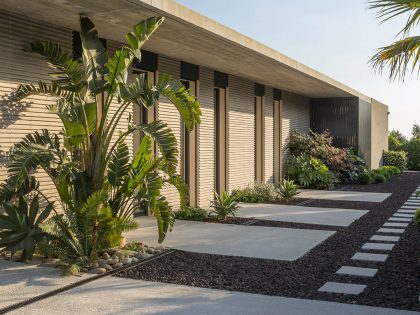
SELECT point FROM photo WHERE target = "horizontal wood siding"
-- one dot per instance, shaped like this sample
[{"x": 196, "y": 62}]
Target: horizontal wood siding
[
  {"x": 268, "y": 136},
  {"x": 170, "y": 115},
  {"x": 295, "y": 115},
  {"x": 18, "y": 66},
  {"x": 207, "y": 139},
  {"x": 241, "y": 130}
]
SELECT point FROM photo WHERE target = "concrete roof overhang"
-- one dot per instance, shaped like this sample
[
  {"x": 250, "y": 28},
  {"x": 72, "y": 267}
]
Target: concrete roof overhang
[{"x": 191, "y": 37}]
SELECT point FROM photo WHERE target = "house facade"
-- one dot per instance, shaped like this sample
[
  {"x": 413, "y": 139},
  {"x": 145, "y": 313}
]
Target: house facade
[{"x": 251, "y": 96}]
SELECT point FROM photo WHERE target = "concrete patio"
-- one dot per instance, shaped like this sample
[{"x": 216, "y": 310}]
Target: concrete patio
[
  {"x": 343, "y": 195},
  {"x": 112, "y": 295},
  {"x": 233, "y": 240},
  {"x": 300, "y": 214}
]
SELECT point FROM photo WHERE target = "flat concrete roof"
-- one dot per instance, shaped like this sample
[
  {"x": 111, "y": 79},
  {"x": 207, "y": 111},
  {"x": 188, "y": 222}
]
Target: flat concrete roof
[
  {"x": 300, "y": 214},
  {"x": 233, "y": 240},
  {"x": 191, "y": 37},
  {"x": 111, "y": 295}
]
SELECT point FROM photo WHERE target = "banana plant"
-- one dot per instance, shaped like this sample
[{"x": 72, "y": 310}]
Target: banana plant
[{"x": 84, "y": 161}]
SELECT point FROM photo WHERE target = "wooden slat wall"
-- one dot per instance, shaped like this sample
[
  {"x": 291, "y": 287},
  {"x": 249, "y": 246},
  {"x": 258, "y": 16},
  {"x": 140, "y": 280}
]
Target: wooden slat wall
[
  {"x": 241, "y": 131},
  {"x": 170, "y": 115},
  {"x": 18, "y": 66},
  {"x": 207, "y": 139},
  {"x": 295, "y": 115},
  {"x": 268, "y": 136}
]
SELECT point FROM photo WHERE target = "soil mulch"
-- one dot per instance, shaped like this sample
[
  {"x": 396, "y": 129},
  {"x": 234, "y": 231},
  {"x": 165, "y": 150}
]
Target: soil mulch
[{"x": 396, "y": 285}]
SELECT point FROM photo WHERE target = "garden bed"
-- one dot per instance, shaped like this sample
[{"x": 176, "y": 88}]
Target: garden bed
[{"x": 396, "y": 285}]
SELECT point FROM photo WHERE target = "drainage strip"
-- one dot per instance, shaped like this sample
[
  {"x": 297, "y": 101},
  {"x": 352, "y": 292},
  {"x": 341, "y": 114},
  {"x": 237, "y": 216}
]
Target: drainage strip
[
  {"x": 34, "y": 299},
  {"x": 250, "y": 222},
  {"x": 305, "y": 202}
]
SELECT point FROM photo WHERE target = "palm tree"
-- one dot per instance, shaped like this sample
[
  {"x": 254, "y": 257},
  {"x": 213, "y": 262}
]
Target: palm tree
[
  {"x": 403, "y": 55},
  {"x": 99, "y": 187}
]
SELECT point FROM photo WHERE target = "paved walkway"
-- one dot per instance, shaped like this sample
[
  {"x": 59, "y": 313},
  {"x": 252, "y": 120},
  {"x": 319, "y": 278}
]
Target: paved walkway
[
  {"x": 343, "y": 195},
  {"x": 233, "y": 240},
  {"x": 19, "y": 282},
  {"x": 300, "y": 214},
  {"x": 125, "y": 296}
]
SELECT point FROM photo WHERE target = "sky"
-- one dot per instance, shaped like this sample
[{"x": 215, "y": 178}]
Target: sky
[{"x": 335, "y": 37}]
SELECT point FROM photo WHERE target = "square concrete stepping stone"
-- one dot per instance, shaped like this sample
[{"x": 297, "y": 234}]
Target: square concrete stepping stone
[
  {"x": 410, "y": 207},
  {"x": 385, "y": 238},
  {"x": 385, "y": 230},
  {"x": 378, "y": 246},
  {"x": 357, "y": 271},
  {"x": 344, "y": 288},
  {"x": 395, "y": 224},
  {"x": 406, "y": 211},
  {"x": 370, "y": 257},
  {"x": 402, "y": 215},
  {"x": 399, "y": 219}
]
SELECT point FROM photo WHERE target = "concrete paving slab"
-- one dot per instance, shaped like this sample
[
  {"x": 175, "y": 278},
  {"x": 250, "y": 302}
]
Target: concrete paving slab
[
  {"x": 385, "y": 238},
  {"x": 343, "y": 195},
  {"x": 378, "y": 246},
  {"x": 300, "y": 214},
  {"x": 413, "y": 204},
  {"x": 395, "y": 224},
  {"x": 410, "y": 207},
  {"x": 386, "y": 230},
  {"x": 406, "y": 211},
  {"x": 19, "y": 282},
  {"x": 234, "y": 240},
  {"x": 357, "y": 271},
  {"x": 400, "y": 219},
  {"x": 111, "y": 295},
  {"x": 402, "y": 215},
  {"x": 370, "y": 257},
  {"x": 345, "y": 288}
]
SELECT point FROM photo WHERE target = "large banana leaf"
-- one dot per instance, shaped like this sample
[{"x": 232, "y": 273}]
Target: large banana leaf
[{"x": 187, "y": 104}]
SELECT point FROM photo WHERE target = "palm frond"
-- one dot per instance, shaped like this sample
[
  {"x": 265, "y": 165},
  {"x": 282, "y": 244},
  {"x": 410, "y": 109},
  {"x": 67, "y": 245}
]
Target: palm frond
[
  {"x": 119, "y": 166},
  {"x": 41, "y": 88},
  {"x": 388, "y": 9},
  {"x": 398, "y": 57}
]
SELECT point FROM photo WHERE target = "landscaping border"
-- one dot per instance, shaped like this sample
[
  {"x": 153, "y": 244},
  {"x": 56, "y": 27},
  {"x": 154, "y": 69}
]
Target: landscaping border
[{"x": 51, "y": 293}]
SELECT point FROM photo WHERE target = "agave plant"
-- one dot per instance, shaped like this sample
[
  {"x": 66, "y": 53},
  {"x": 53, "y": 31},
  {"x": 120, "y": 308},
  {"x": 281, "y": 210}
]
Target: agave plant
[
  {"x": 21, "y": 227},
  {"x": 287, "y": 190},
  {"x": 224, "y": 205},
  {"x": 99, "y": 187}
]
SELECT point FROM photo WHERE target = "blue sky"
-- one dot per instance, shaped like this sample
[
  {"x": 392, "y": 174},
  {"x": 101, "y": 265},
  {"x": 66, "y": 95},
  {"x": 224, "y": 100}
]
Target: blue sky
[{"x": 336, "y": 37}]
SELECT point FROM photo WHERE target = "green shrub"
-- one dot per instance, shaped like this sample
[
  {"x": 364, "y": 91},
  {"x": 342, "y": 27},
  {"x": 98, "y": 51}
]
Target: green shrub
[
  {"x": 412, "y": 148},
  {"x": 417, "y": 218},
  {"x": 393, "y": 143},
  {"x": 287, "y": 190},
  {"x": 224, "y": 205},
  {"x": 310, "y": 172},
  {"x": 255, "y": 193},
  {"x": 378, "y": 178},
  {"x": 395, "y": 158},
  {"x": 392, "y": 169},
  {"x": 364, "y": 178},
  {"x": 192, "y": 214},
  {"x": 386, "y": 173}
]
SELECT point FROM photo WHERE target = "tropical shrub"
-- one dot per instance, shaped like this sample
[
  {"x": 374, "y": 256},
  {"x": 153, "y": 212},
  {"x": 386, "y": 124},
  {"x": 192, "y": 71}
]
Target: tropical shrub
[
  {"x": 287, "y": 190},
  {"x": 98, "y": 186},
  {"x": 392, "y": 170},
  {"x": 224, "y": 205},
  {"x": 343, "y": 162},
  {"x": 395, "y": 158},
  {"x": 21, "y": 227},
  {"x": 412, "y": 148},
  {"x": 378, "y": 178},
  {"x": 192, "y": 214},
  {"x": 364, "y": 178},
  {"x": 255, "y": 193},
  {"x": 310, "y": 172}
]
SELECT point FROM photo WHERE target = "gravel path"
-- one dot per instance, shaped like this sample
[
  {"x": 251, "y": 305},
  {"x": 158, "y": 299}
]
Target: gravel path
[{"x": 396, "y": 285}]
